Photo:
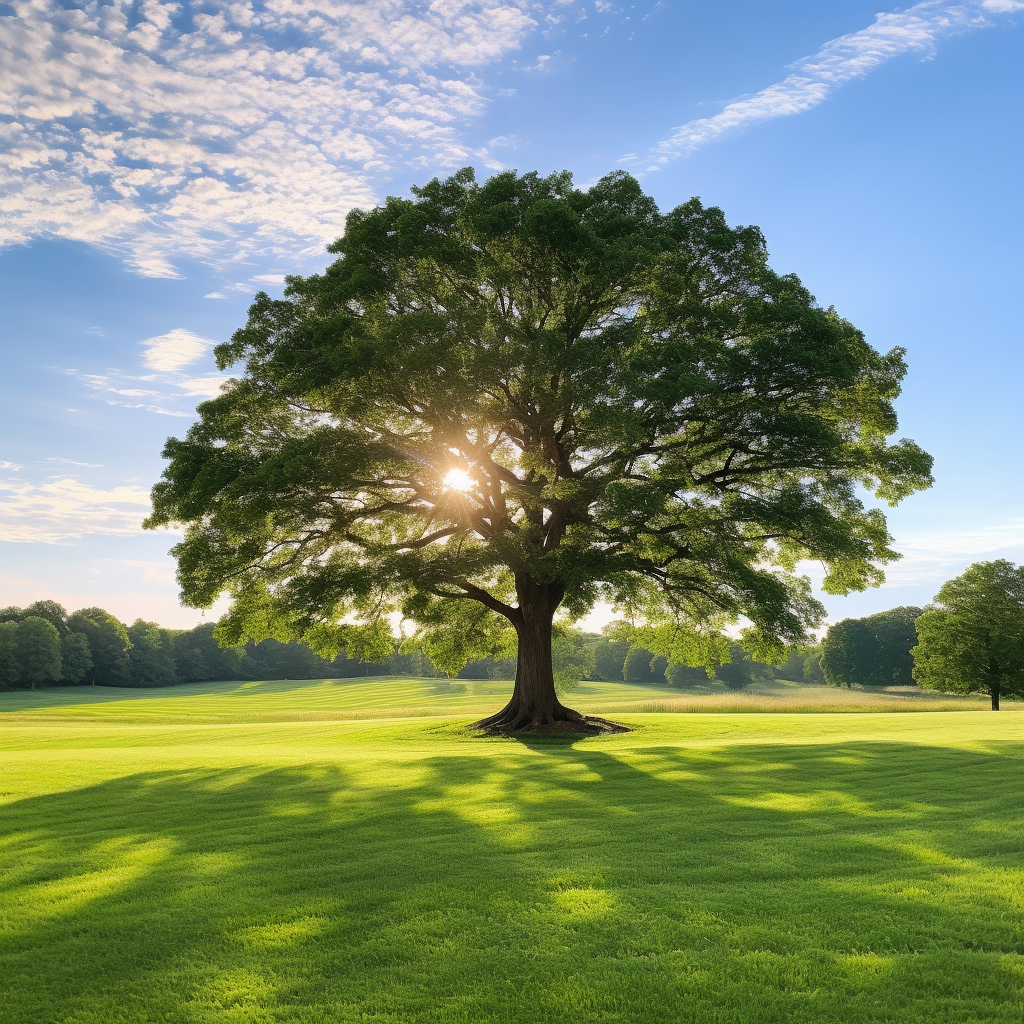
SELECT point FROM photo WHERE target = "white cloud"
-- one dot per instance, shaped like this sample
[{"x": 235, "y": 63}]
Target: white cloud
[
  {"x": 213, "y": 295},
  {"x": 159, "y": 136},
  {"x": 269, "y": 278},
  {"x": 173, "y": 350},
  {"x": 11, "y": 466},
  {"x": 936, "y": 558},
  {"x": 841, "y": 60},
  {"x": 165, "y": 389},
  {"x": 72, "y": 462},
  {"x": 64, "y": 508}
]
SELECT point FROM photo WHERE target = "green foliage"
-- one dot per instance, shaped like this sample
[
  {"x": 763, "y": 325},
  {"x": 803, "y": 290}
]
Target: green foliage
[
  {"x": 9, "y": 674},
  {"x": 37, "y": 651},
  {"x": 873, "y": 651},
  {"x": 847, "y": 655},
  {"x": 972, "y": 638},
  {"x": 108, "y": 644},
  {"x": 610, "y": 657},
  {"x": 75, "y": 656},
  {"x": 198, "y": 656},
  {"x": 645, "y": 411},
  {"x": 151, "y": 658},
  {"x": 686, "y": 675},
  {"x": 54, "y": 613},
  {"x": 573, "y": 658},
  {"x": 643, "y": 666},
  {"x": 812, "y": 666}
]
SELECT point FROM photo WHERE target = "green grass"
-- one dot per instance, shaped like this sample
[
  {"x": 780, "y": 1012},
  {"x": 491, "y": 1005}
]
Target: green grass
[{"x": 260, "y": 853}]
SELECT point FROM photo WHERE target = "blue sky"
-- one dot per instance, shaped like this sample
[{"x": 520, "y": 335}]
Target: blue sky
[{"x": 161, "y": 162}]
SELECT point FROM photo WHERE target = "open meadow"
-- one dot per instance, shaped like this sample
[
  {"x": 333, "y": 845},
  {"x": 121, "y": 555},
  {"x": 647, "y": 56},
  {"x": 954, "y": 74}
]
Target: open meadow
[{"x": 343, "y": 851}]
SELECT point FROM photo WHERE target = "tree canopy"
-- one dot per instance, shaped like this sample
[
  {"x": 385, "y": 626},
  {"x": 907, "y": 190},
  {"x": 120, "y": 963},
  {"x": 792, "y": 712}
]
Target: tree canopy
[
  {"x": 510, "y": 398},
  {"x": 971, "y": 639},
  {"x": 872, "y": 651}
]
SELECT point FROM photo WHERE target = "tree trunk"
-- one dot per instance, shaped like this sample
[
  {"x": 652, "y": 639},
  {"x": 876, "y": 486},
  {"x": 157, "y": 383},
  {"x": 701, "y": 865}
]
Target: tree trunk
[
  {"x": 535, "y": 707},
  {"x": 994, "y": 690}
]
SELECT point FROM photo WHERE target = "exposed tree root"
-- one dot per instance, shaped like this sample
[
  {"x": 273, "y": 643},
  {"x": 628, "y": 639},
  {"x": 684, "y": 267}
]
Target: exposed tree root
[{"x": 557, "y": 721}]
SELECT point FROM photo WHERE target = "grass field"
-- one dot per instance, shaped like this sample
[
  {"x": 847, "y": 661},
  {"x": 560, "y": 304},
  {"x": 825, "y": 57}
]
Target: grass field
[{"x": 343, "y": 851}]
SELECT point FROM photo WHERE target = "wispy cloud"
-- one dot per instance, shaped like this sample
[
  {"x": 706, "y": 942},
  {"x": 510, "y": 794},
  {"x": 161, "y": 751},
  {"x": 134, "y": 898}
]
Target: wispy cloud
[
  {"x": 64, "y": 508},
  {"x": 935, "y": 558},
  {"x": 234, "y": 131},
  {"x": 12, "y": 467},
  {"x": 72, "y": 462},
  {"x": 813, "y": 79},
  {"x": 165, "y": 389}
]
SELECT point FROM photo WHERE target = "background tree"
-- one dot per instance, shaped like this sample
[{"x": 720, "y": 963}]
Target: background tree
[
  {"x": 849, "y": 654},
  {"x": 895, "y": 637},
  {"x": 971, "y": 639},
  {"x": 12, "y": 613},
  {"x": 872, "y": 651},
  {"x": 151, "y": 657},
  {"x": 54, "y": 613},
  {"x": 686, "y": 676},
  {"x": 812, "y": 667},
  {"x": 198, "y": 658},
  {"x": 510, "y": 399},
  {"x": 75, "y": 657},
  {"x": 641, "y": 666},
  {"x": 9, "y": 652},
  {"x": 37, "y": 652},
  {"x": 611, "y": 652},
  {"x": 108, "y": 644}
]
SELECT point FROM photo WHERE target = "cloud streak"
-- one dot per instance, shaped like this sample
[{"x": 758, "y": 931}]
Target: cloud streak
[
  {"x": 936, "y": 558},
  {"x": 64, "y": 509},
  {"x": 813, "y": 79},
  {"x": 234, "y": 132}
]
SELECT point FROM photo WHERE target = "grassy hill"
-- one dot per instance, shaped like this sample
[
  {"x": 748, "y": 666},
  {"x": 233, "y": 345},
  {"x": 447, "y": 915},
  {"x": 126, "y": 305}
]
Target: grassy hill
[{"x": 343, "y": 851}]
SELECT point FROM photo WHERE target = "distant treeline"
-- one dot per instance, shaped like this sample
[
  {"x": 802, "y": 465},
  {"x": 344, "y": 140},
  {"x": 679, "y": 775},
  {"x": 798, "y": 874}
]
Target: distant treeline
[{"x": 42, "y": 645}]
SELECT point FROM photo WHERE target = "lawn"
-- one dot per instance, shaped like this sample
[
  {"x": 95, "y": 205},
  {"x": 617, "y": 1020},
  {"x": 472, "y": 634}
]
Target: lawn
[{"x": 343, "y": 851}]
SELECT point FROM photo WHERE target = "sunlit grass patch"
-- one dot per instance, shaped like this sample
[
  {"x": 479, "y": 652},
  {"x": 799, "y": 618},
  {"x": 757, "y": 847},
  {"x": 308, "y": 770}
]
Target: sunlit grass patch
[{"x": 727, "y": 867}]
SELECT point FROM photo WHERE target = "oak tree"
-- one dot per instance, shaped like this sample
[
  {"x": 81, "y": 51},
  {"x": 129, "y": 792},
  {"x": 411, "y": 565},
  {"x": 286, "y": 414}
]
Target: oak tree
[
  {"x": 971, "y": 639},
  {"x": 507, "y": 400}
]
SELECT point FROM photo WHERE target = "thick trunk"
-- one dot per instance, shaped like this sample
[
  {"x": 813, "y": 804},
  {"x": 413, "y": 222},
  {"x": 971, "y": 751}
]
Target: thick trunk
[
  {"x": 535, "y": 707},
  {"x": 995, "y": 696}
]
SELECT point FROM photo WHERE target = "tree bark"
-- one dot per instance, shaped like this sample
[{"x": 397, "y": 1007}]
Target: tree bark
[
  {"x": 994, "y": 690},
  {"x": 535, "y": 707}
]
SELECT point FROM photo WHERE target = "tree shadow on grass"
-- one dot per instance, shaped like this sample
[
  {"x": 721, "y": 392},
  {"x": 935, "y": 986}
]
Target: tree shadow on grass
[{"x": 549, "y": 882}]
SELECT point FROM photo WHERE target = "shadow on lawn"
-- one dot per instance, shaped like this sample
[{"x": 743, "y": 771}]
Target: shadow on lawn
[{"x": 866, "y": 881}]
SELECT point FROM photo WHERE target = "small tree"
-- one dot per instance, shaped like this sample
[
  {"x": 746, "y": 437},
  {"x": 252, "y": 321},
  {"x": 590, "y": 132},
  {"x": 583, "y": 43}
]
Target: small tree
[
  {"x": 507, "y": 400},
  {"x": 971, "y": 640},
  {"x": 108, "y": 644},
  {"x": 76, "y": 659},
  {"x": 37, "y": 648}
]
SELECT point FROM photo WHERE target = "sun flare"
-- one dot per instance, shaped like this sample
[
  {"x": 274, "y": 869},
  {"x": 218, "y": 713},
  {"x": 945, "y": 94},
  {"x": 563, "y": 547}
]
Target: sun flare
[{"x": 458, "y": 480}]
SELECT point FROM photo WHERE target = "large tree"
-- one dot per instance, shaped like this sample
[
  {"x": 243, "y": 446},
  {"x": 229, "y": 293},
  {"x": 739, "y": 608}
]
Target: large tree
[
  {"x": 511, "y": 398},
  {"x": 971, "y": 639}
]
